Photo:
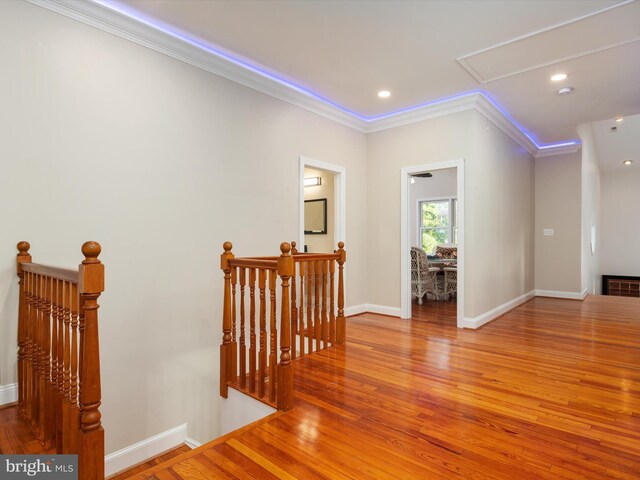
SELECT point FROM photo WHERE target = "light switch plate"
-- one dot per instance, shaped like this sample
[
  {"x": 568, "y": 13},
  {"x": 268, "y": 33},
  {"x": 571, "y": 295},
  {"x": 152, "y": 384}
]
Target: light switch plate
[{"x": 548, "y": 232}]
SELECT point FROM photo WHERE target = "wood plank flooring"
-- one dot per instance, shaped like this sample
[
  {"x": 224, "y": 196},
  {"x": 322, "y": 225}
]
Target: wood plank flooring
[
  {"x": 549, "y": 391},
  {"x": 15, "y": 434},
  {"x": 150, "y": 463}
]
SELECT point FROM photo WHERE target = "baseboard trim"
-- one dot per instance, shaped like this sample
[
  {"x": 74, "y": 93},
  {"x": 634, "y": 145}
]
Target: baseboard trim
[
  {"x": 559, "y": 294},
  {"x": 372, "y": 308},
  {"x": 191, "y": 443},
  {"x": 383, "y": 310},
  {"x": 500, "y": 310},
  {"x": 8, "y": 393},
  {"x": 354, "y": 310},
  {"x": 144, "y": 450}
]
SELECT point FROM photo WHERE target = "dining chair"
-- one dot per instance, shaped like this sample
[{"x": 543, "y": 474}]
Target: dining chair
[
  {"x": 424, "y": 279},
  {"x": 450, "y": 281}
]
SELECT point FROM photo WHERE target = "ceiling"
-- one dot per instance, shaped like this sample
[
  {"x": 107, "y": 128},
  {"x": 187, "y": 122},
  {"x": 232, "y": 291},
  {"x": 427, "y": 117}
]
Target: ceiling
[
  {"x": 422, "y": 51},
  {"x": 614, "y": 147}
]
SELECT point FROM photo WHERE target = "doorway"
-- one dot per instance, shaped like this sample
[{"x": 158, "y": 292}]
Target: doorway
[
  {"x": 323, "y": 198},
  {"x": 447, "y": 197}
]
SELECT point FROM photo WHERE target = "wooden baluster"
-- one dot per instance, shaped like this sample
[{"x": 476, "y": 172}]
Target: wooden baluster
[
  {"x": 316, "y": 303},
  {"x": 243, "y": 346},
  {"x": 66, "y": 369},
  {"x": 55, "y": 317},
  {"x": 225, "y": 347},
  {"x": 262, "y": 360},
  {"x": 22, "y": 257},
  {"x": 332, "y": 315},
  {"x": 27, "y": 346},
  {"x": 28, "y": 356},
  {"x": 47, "y": 413},
  {"x": 325, "y": 319},
  {"x": 294, "y": 313},
  {"x": 61, "y": 413},
  {"x": 301, "y": 329},
  {"x": 273, "y": 337},
  {"x": 234, "y": 327},
  {"x": 340, "y": 320},
  {"x": 310, "y": 329},
  {"x": 33, "y": 348},
  {"x": 91, "y": 451},
  {"x": 285, "y": 368},
  {"x": 252, "y": 330},
  {"x": 44, "y": 361},
  {"x": 39, "y": 375},
  {"x": 77, "y": 318}
]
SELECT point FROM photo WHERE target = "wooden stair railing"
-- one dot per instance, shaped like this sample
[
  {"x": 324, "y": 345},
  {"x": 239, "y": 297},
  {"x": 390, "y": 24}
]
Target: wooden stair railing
[
  {"x": 309, "y": 310},
  {"x": 58, "y": 357}
]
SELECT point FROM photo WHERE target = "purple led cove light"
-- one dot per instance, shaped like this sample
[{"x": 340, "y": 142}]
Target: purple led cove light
[
  {"x": 155, "y": 24},
  {"x": 523, "y": 130}
]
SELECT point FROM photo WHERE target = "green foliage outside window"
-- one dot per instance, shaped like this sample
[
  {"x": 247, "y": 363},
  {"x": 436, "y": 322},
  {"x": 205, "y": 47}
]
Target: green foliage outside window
[{"x": 434, "y": 224}]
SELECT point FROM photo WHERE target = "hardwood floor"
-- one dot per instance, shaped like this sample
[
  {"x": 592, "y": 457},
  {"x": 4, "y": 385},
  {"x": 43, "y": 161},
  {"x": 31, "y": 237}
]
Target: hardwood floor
[
  {"x": 435, "y": 311},
  {"x": 551, "y": 390},
  {"x": 150, "y": 463},
  {"x": 16, "y": 438},
  {"x": 15, "y": 434}
]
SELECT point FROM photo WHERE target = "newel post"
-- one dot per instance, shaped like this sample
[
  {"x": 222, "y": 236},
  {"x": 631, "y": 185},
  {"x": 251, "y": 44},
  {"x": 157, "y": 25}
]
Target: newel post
[
  {"x": 285, "y": 367},
  {"x": 341, "y": 331},
  {"x": 22, "y": 257},
  {"x": 226, "y": 361},
  {"x": 91, "y": 451}
]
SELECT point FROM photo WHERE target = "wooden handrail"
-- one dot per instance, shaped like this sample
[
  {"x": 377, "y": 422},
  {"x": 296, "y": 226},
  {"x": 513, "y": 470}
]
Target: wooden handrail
[
  {"x": 269, "y": 264},
  {"x": 58, "y": 356},
  {"x": 305, "y": 257},
  {"x": 56, "y": 273},
  {"x": 252, "y": 333}
]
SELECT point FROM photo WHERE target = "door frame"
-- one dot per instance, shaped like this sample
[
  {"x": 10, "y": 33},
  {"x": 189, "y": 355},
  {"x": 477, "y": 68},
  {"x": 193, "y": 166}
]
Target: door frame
[
  {"x": 406, "y": 240},
  {"x": 339, "y": 198}
]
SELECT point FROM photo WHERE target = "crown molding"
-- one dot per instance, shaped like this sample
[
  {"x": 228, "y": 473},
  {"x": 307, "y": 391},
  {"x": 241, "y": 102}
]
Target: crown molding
[
  {"x": 425, "y": 112},
  {"x": 559, "y": 150},
  {"x": 103, "y": 18},
  {"x": 99, "y": 16},
  {"x": 487, "y": 108}
]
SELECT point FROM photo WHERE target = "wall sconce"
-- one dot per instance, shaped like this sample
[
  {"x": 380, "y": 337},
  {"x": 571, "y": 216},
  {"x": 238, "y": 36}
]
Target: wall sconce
[{"x": 312, "y": 181}]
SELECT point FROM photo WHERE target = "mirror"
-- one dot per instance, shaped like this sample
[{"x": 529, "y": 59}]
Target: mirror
[{"x": 315, "y": 217}]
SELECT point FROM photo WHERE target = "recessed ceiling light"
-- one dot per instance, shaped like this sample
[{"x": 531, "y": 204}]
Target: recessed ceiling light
[
  {"x": 558, "y": 77},
  {"x": 565, "y": 90},
  {"x": 384, "y": 93},
  {"x": 628, "y": 162},
  {"x": 619, "y": 119}
]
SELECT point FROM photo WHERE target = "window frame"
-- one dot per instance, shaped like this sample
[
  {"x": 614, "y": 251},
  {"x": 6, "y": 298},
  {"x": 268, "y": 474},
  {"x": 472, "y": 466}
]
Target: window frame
[{"x": 453, "y": 217}]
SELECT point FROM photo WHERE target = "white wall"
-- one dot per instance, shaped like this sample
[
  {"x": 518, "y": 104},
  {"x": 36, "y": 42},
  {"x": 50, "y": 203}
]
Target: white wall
[
  {"x": 161, "y": 163},
  {"x": 499, "y": 210},
  {"x": 558, "y": 206},
  {"x": 442, "y": 184},
  {"x": 620, "y": 233},
  {"x": 321, "y": 243},
  {"x": 590, "y": 245}
]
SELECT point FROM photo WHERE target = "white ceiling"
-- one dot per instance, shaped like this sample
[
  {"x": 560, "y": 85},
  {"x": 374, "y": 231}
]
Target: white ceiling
[
  {"x": 346, "y": 51},
  {"x": 615, "y": 147}
]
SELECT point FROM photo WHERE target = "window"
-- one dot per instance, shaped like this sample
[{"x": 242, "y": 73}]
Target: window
[{"x": 438, "y": 223}]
